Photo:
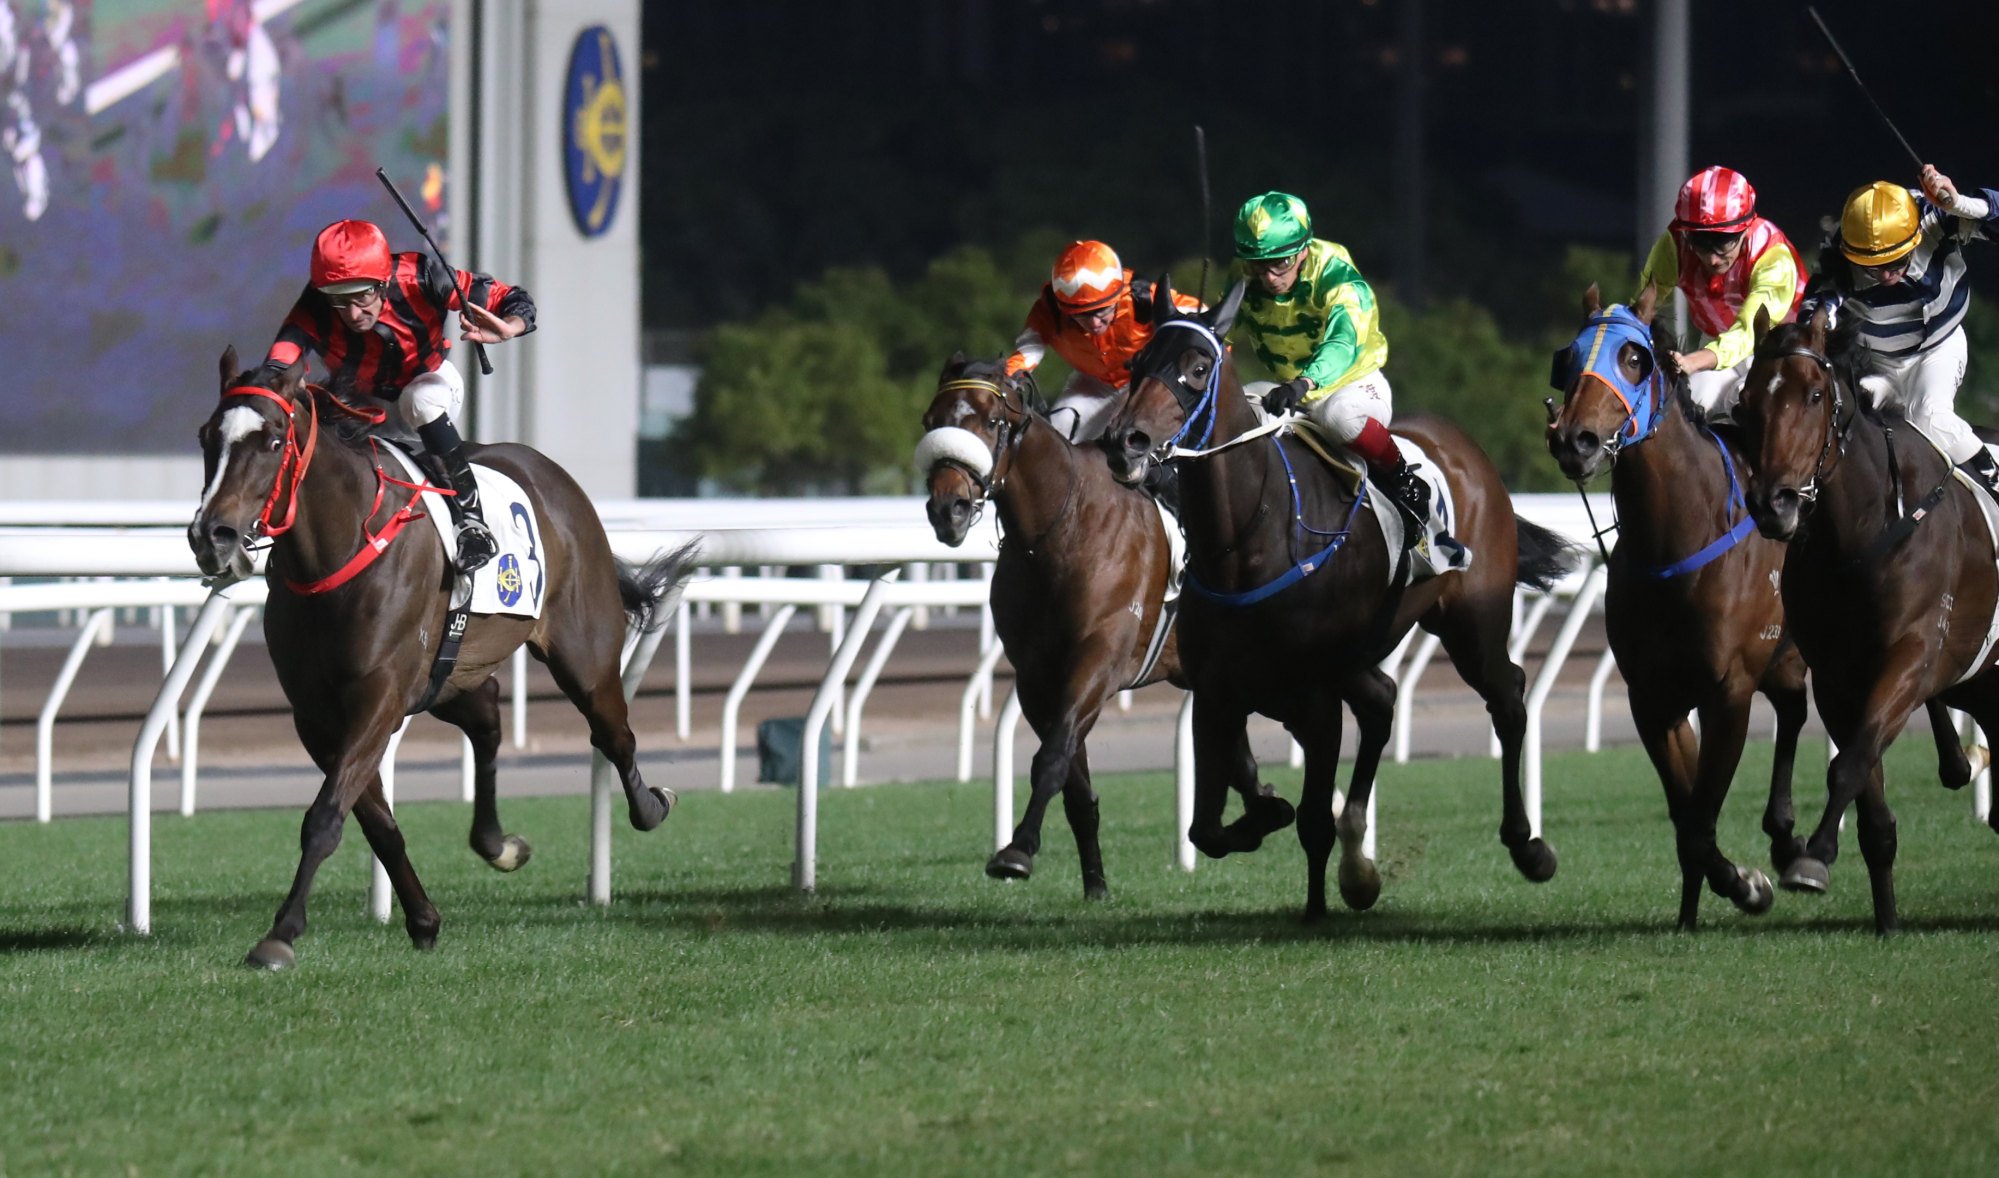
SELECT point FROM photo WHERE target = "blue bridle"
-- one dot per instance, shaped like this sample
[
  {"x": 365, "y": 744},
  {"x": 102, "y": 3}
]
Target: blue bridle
[{"x": 1594, "y": 355}]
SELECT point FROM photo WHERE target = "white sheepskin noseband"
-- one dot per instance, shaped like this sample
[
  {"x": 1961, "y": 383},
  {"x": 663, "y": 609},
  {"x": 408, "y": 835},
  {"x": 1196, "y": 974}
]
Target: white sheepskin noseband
[{"x": 956, "y": 445}]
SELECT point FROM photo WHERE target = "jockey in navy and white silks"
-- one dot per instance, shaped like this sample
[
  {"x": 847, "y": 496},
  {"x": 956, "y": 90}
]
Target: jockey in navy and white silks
[{"x": 1897, "y": 272}]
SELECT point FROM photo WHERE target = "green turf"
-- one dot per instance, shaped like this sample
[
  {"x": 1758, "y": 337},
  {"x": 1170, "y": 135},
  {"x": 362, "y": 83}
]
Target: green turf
[{"x": 916, "y": 1018}]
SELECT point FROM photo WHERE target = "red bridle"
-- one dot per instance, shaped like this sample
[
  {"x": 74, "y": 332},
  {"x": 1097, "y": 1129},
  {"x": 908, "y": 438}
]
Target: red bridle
[{"x": 294, "y": 460}]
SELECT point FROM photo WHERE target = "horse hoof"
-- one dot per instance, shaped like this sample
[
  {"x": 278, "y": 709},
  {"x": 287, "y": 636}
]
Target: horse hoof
[
  {"x": 1785, "y": 853},
  {"x": 1096, "y": 889},
  {"x": 1806, "y": 874},
  {"x": 1360, "y": 885},
  {"x": 650, "y": 808},
  {"x": 1535, "y": 860},
  {"x": 271, "y": 954},
  {"x": 424, "y": 942},
  {"x": 1979, "y": 758},
  {"x": 1757, "y": 899},
  {"x": 1214, "y": 846},
  {"x": 514, "y": 854},
  {"x": 1010, "y": 863}
]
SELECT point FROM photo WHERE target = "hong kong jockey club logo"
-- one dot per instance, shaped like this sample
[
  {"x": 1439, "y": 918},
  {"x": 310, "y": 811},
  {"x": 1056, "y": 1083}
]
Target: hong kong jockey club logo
[
  {"x": 593, "y": 130},
  {"x": 510, "y": 580}
]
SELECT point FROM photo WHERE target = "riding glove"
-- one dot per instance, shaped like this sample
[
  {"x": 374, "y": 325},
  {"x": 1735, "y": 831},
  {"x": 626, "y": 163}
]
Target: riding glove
[{"x": 1286, "y": 398}]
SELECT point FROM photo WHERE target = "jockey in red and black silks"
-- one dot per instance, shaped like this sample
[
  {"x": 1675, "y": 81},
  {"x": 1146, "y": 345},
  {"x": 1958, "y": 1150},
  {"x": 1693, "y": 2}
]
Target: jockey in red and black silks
[{"x": 377, "y": 320}]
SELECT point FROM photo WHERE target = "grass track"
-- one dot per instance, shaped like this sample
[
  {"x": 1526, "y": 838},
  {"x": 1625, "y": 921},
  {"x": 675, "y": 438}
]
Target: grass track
[{"x": 916, "y": 1018}]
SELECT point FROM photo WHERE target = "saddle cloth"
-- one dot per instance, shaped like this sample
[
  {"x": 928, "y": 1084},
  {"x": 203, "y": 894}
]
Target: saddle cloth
[
  {"x": 513, "y": 582},
  {"x": 1436, "y": 551},
  {"x": 1989, "y": 508}
]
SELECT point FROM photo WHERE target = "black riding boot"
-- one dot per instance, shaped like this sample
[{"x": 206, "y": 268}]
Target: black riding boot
[
  {"x": 1411, "y": 494},
  {"x": 1162, "y": 482},
  {"x": 1981, "y": 467},
  {"x": 476, "y": 545}
]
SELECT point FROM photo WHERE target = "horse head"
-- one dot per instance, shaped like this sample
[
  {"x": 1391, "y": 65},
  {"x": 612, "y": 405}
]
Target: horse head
[
  {"x": 1791, "y": 416},
  {"x": 1611, "y": 386},
  {"x": 967, "y": 429},
  {"x": 248, "y": 445},
  {"x": 1177, "y": 380}
]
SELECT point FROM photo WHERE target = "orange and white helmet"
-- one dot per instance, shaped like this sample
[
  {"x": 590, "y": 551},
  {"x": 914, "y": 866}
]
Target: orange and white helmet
[
  {"x": 1716, "y": 200},
  {"x": 1086, "y": 276}
]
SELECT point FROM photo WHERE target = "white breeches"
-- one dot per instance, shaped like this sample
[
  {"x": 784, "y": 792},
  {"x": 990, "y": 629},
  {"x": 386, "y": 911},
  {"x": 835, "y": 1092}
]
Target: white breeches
[
  {"x": 1924, "y": 388},
  {"x": 1084, "y": 408},
  {"x": 434, "y": 395},
  {"x": 1718, "y": 389},
  {"x": 1347, "y": 409}
]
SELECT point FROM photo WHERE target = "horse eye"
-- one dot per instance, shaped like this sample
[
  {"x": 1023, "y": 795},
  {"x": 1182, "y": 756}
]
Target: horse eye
[
  {"x": 276, "y": 443},
  {"x": 1817, "y": 395}
]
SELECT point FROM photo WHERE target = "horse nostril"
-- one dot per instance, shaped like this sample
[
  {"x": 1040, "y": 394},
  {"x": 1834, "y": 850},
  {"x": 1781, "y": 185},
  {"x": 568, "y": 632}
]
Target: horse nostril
[
  {"x": 224, "y": 536},
  {"x": 1784, "y": 498},
  {"x": 1137, "y": 442},
  {"x": 1587, "y": 442}
]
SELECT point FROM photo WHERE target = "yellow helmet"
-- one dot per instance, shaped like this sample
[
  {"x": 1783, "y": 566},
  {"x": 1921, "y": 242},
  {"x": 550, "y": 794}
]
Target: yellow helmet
[{"x": 1880, "y": 224}]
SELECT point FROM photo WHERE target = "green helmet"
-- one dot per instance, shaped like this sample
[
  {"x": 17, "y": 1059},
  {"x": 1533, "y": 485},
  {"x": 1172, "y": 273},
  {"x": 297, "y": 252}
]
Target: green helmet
[{"x": 1274, "y": 225}]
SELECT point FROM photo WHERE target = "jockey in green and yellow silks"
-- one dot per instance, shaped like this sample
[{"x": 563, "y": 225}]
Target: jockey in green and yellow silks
[{"x": 1312, "y": 319}]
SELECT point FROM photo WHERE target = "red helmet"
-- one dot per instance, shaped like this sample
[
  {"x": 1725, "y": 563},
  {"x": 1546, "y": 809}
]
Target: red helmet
[
  {"x": 1716, "y": 200},
  {"x": 348, "y": 256},
  {"x": 1087, "y": 276}
]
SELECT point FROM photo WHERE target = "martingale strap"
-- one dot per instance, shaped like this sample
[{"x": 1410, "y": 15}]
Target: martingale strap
[
  {"x": 1726, "y": 540},
  {"x": 447, "y": 654}
]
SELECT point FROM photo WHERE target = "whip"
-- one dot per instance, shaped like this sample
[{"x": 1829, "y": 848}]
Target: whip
[
  {"x": 1855, "y": 75},
  {"x": 451, "y": 276}
]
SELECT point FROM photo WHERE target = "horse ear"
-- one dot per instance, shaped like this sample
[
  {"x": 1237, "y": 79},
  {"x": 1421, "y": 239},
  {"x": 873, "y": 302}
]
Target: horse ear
[
  {"x": 953, "y": 366},
  {"x": 1162, "y": 298},
  {"x": 230, "y": 370},
  {"x": 1647, "y": 305},
  {"x": 293, "y": 376},
  {"x": 1226, "y": 312},
  {"x": 1821, "y": 321},
  {"x": 1761, "y": 327},
  {"x": 1592, "y": 301}
]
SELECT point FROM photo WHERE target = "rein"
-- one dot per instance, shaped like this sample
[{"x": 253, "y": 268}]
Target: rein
[
  {"x": 295, "y": 462},
  {"x": 1011, "y": 431},
  {"x": 1208, "y": 406}
]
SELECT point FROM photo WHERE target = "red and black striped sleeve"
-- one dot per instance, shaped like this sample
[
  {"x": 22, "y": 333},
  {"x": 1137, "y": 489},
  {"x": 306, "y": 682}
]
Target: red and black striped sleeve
[
  {"x": 483, "y": 289},
  {"x": 304, "y": 330}
]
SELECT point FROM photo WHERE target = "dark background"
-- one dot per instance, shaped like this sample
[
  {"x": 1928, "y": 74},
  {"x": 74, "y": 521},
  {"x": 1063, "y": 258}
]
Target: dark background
[{"x": 781, "y": 139}]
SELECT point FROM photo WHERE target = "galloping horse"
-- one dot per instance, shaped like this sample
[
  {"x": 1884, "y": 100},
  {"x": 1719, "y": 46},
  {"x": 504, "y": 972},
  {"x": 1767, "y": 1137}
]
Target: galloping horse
[
  {"x": 354, "y": 660},
  {"x": 1692, "y": 606},
  {"x": 1076, "y": 594},
  {"x": 1889, "y": 584},
  {"x": 1291, "y": 636}
]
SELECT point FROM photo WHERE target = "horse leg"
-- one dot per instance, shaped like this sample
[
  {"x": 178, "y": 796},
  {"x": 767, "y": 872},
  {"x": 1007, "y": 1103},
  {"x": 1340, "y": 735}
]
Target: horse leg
[
  {"x": 1263, "y": 812},
  {"x": 1474, "y": 635},
  {"x": 1954, "y": 762},
  {"x": 1778, "y": 821},
  {"x": 1862, "y": 734},
  {"x": 1669, "y": 742},
  {"x": 1371, "y": 695},
  {"x": 1724, "y": 727},
  {"x": 1220, "y": 734},
  {"x": 1318, "y": 730},
  {"x": 1877, "y": 848},
  {"x": 353, "y": 770},
  {"x": 476, "y": 713},
  {"x": 1048, "y": 775},
  {"x": 385, "y": 838},
  {"x": 1079, "y": 804},
  {"x": 587, "y": 672}
]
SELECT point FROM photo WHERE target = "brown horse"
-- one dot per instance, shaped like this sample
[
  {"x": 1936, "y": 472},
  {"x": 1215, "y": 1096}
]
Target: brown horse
[
  {"x": 354, "y": 660},
  {"x": 1691, "y": 605},
  {"x": 1889, "y": 585},
  {"x": 1076, "y": 594},
  {"x": 1293, "y": 636}
]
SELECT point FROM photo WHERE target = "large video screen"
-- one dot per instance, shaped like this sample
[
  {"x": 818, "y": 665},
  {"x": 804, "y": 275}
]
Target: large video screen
[{"x": 167, "y": 164}]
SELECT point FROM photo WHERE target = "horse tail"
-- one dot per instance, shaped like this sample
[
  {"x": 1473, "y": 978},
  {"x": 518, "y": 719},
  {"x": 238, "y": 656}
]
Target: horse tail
[
  {"x": 1545, "y": 558},
  {"x": 644, "y": 587}
]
